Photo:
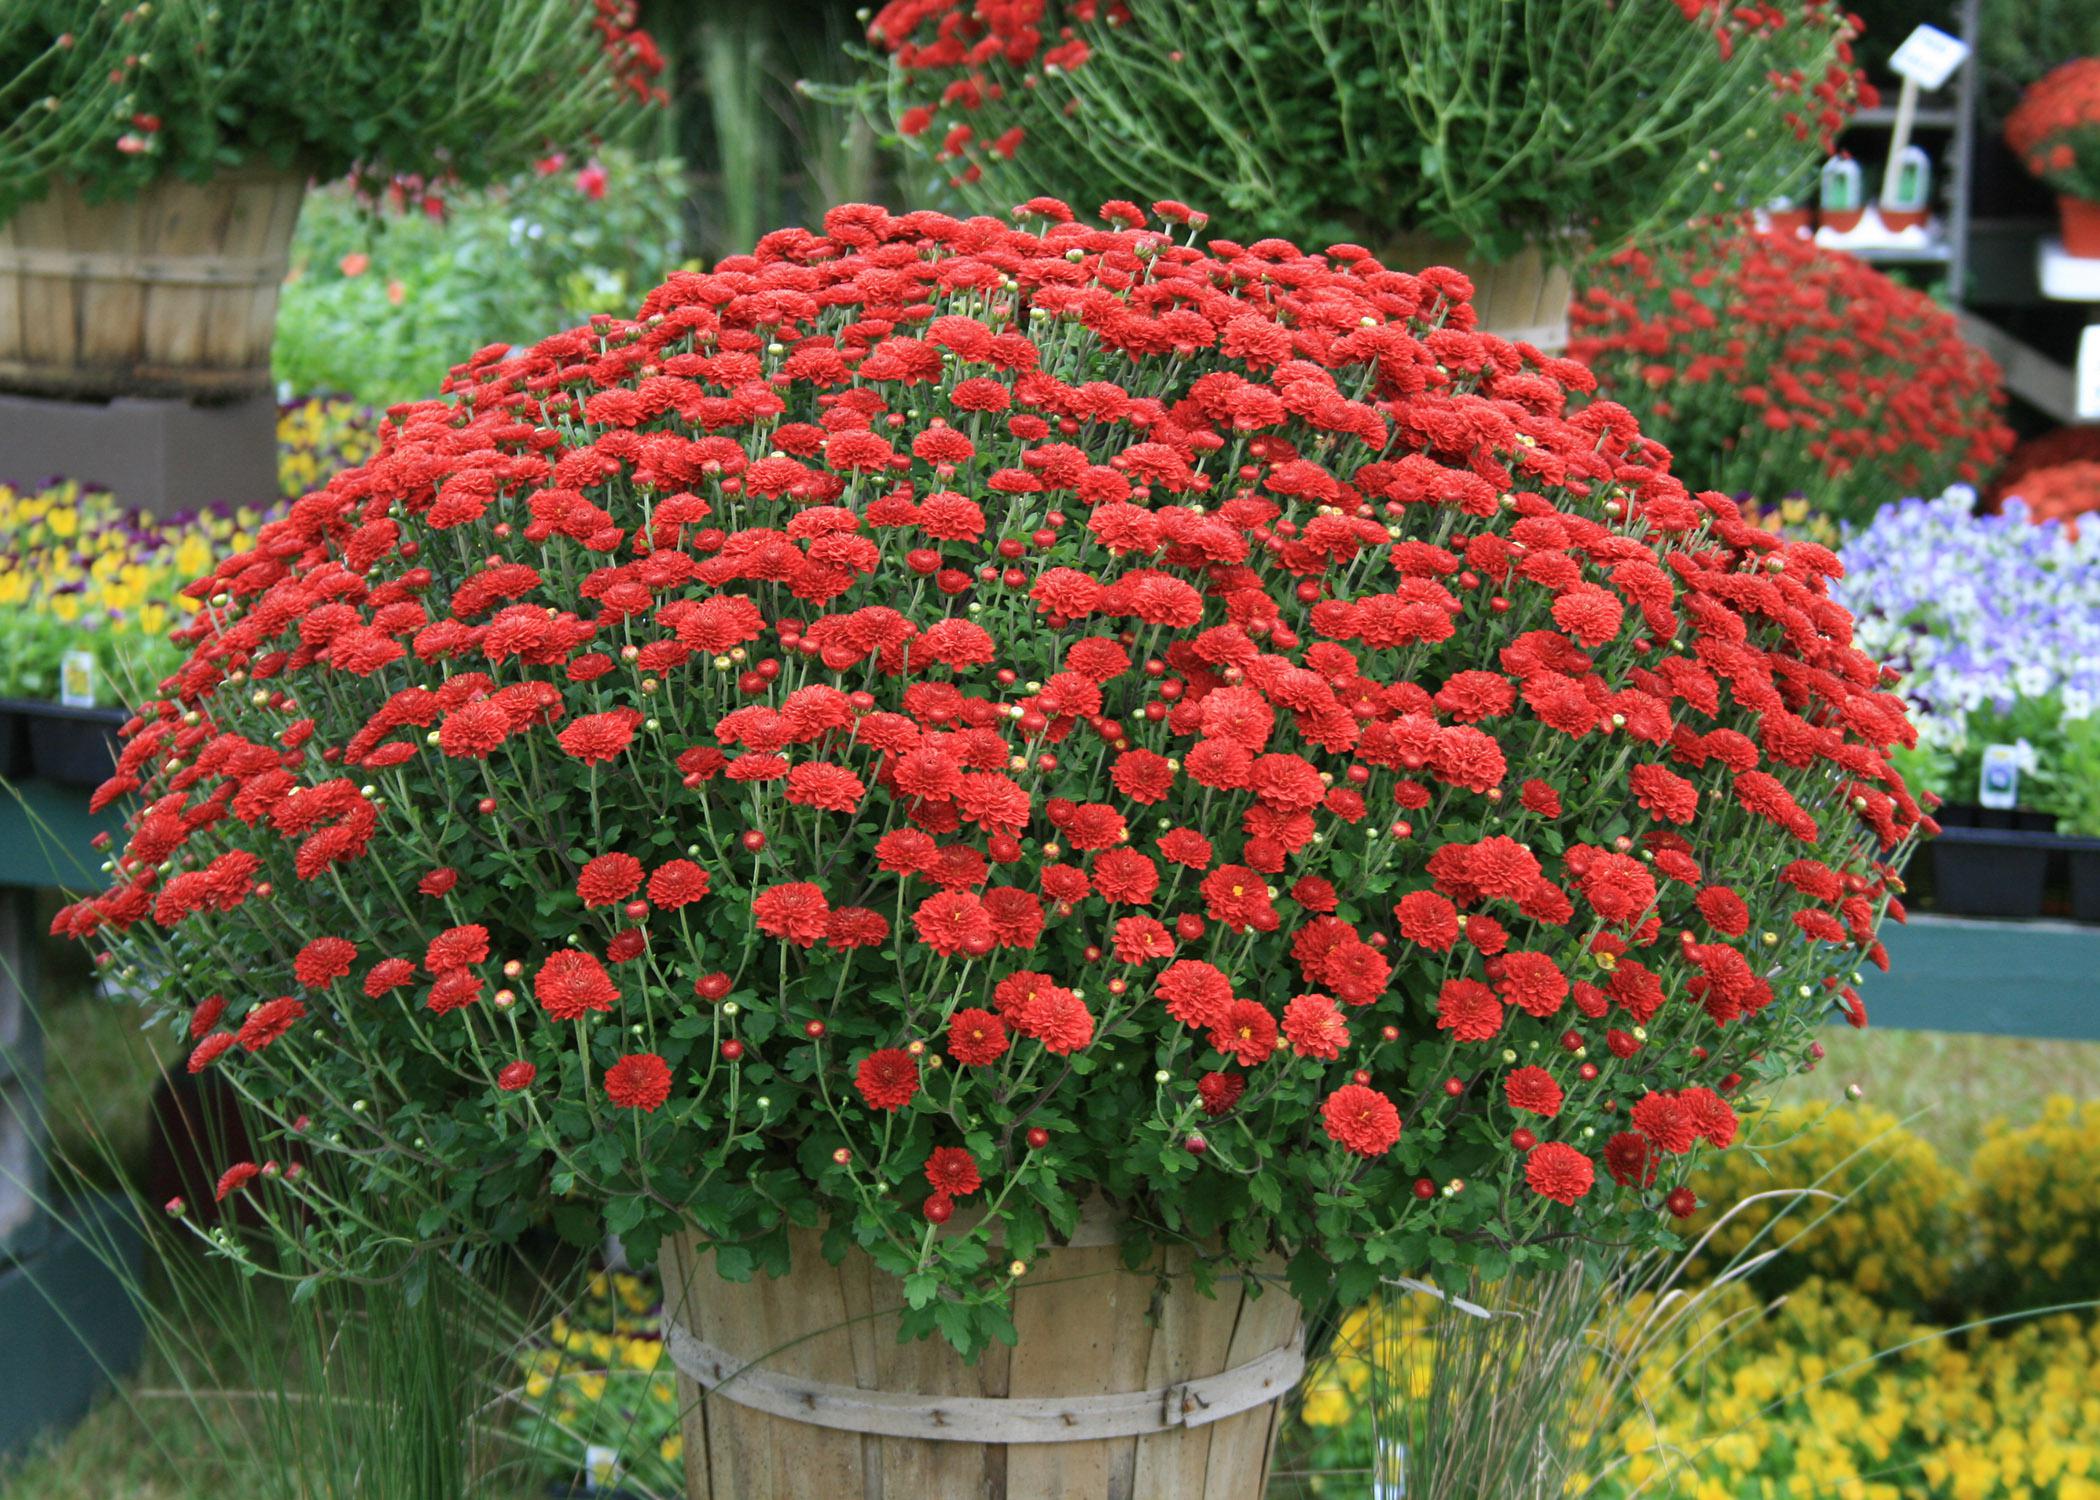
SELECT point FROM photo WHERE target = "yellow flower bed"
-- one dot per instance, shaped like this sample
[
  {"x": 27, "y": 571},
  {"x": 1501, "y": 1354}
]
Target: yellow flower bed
[
  {"x": 2037, "y": 1203},
  {"x": 1897, "y": 1235},
  {"x": 320, "y": 436},
  {"x": 79, "y": 573}
]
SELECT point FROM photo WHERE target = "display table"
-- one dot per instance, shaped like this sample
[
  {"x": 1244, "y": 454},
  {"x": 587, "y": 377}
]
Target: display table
[{"x": 2005, "y": 978}]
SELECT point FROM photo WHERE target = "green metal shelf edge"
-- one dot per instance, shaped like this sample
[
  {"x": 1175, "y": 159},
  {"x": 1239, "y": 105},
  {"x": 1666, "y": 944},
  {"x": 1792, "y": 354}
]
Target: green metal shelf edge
[
  {"x": 46, "y": 834},
  {"x": 2004, "y": 978}
]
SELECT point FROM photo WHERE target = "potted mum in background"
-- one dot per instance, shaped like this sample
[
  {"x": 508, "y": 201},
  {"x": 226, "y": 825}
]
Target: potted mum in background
[
  {"x": 1046, "y": 791},
  {"x": 153, "y": 157},
  {"x": 1506, "y": 140},
  {"x": 2055, "y": 131},
  {"x": 1771, "y": 368}
]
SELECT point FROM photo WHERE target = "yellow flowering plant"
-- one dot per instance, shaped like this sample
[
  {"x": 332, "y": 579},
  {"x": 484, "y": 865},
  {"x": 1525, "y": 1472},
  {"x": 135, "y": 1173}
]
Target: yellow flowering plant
[
  {"x": 1885, "y": 1218},
  {"x": 318, "y": 437},
  {"x": 597, "y": 1397},
  {"x": 2037, "y": 1206},
  {"x": 81, "y": 574}
]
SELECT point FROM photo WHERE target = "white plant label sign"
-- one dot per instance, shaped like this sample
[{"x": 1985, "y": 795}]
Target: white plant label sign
[
  {"x": 1929, "y": 57},
  {"x": 2088, "y": 395},
  {"x": 1999, "y": 784},
  {"x": 76, "y": 679}
]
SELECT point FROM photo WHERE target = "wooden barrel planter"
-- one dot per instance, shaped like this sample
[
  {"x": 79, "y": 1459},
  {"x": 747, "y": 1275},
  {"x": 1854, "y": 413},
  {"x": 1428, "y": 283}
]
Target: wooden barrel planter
[
  {"x": 170, "y": 293},
  {"x": 1121, "y": 1386},
  {"x": 1523, "y": 299}
]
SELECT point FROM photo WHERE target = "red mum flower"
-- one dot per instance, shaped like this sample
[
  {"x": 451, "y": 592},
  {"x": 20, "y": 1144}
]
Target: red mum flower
[
  {"x": 1196, "y": 993},
  {"x": 1558, "y": 1171},
  {"x": 951, "y": 1170},
  {"x": 795, "y": 913},
  {"x": 950, "y": 922},
  {"x": 456, "y": 948},
  {"x": 1361, "y": 1119},
  {"x": 437, "y": 882},
  {"x": 1238, "y": 897},
  {"x": 1218, "y": 1092},
  {"x": 609, "y": 879},
  {"x": 641, "y": 1080},
  {"x": 1665, "y": 1120},
  {"x": 234, "y": 1178},
  {"x": 1724, "y": 910},
  {"x": 1533, "y": 1089},
  {"x": 1314, "y": 1027},
  {"x": 826, "y": 788},
  {"x": 323, "y": 961},
  {"x": 1664, "y": 793},
  {"x": 388, "y": 974},
  {"x": 1246, "y": 1032},
  {"x": 1629, "y": 1160},
  {"x": 570, "y": 983},
  {"x": 597, "y": 738},
  {"x": 206, "y": 1015},
  {"x": 1617, "y": 886},
  {"x": 887, "y": 1078},
  {"x": 1427, "y": 920},
  {"x": 1059, "y": 1020},
  {"x": 1468, "y": 1010},
  {"x": 976, "y": 1037},
  {"x": 677, "y": 883},
  {"x": 210, "y": 1050},
  {"x": 1141, "y": 940},
  {"x": 452, "y": 990},
  {"x": 269, "y": 1021},
  {"x": 1532, "y": 982},
  {"x": 516, "y": 1075}
]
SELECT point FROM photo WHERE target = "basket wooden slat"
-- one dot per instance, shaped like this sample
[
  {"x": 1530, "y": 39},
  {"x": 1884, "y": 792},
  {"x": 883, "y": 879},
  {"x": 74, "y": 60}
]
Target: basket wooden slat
[
  {"x": 1086, "y": 1327},
  {"x": 173, "y": 292}
]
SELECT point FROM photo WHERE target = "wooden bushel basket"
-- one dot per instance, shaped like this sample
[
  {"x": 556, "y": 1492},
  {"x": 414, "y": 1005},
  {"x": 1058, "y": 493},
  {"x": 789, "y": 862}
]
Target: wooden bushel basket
[
  {"x": 1523, "y": 299},
  {"x": 170, "y": 293},
  {"x": 1115, "y": 1389}
]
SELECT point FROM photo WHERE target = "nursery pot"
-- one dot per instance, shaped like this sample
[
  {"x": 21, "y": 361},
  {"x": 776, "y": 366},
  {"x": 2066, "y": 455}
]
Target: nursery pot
[
  {"x": 1121, "y": 1385},
  {"x": 2084, "y": 858},
  {"x": 1898, "y": 219},
  {"x": 1843, "y": 220},
  {"x": 1523, "y": 298},
  {"x": 14, "y": 741},
  {"x": 75, "y": 746},
  {"x": 1990, "y": 872},
  {"x": 1790, "y": 223},
  {"x": 2081, "y": 224},
  {"x": 172, "y": 292}
]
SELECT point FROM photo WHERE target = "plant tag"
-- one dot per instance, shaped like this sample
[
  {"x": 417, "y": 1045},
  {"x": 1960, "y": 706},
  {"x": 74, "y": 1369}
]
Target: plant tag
[
  {"x": 2088, "y": 399},
  {"x": 1930, "y": 56},
  {"x": 1999, "y": 784},
  {"x": 76, "y": 679}
]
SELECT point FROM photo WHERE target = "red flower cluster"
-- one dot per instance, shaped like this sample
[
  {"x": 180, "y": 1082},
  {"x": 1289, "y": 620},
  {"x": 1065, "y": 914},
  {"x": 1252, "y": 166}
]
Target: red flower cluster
[
  {"x": 2055, "y": 129},
  {"x": 1771, "y": 368},
  {"x": 939, "y": 687},
  {"x": 2062, "y": 492}
]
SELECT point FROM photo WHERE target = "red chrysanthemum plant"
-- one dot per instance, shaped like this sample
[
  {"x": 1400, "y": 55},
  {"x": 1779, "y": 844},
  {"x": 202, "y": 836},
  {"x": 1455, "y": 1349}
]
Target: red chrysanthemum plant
[
  {"x": 941, "y": 711},
  {"x": 1773, "y": 368},
  {"x": 2055, "y": 131}
]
